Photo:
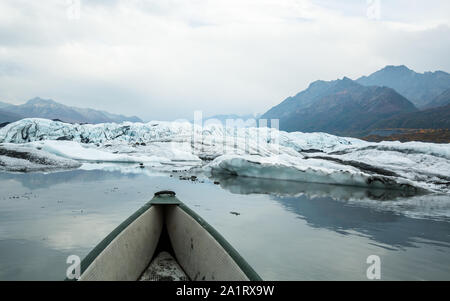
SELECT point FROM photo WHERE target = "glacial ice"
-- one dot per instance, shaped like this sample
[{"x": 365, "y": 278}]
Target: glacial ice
[
  {"x": 26, "y": 158},
  {"x": 306, "y": 170},
  {"x": 248, "y": 152}
]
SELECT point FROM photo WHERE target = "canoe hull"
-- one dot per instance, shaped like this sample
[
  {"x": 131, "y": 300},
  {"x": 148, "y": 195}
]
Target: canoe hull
[
  {"x": 199, "y": 249},
  {"x": 132, "y": 249}
]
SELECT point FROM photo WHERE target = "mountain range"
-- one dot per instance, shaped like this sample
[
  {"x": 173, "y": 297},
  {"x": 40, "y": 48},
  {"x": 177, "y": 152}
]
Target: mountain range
[
  {"x": 339, "y": 107},
  {"x": 6, "y": 117},
  {"x": 4, "y": 104},
  {"x": 390, "y": 97},
  {"x": 50, "y": 109},
  {"x": 419, "y": 88},
  {"x": 393, "y": 97},
  {"x": 441, "y": 100},
  {"x": 434, "y": 118}
]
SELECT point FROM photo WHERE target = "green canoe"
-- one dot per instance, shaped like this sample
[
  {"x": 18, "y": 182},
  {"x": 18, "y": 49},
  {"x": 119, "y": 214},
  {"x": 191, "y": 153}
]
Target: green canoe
[{"x": 165, "y": 240}]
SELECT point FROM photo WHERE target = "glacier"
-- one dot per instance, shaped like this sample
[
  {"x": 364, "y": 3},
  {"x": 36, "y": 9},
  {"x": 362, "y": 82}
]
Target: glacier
[
  {"x": 253, "y": 152},
  {"x": 26, "y": 158}
]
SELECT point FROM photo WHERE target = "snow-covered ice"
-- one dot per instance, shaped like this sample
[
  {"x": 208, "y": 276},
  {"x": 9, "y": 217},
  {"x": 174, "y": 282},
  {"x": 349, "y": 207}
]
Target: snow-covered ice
[
  {"x": 26, "y": 158},
  {"x": 248, "y": 152}
]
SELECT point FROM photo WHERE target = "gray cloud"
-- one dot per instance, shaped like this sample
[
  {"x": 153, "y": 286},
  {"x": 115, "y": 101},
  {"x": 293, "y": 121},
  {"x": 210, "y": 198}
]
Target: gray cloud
[{"x": 164, "y": 59}]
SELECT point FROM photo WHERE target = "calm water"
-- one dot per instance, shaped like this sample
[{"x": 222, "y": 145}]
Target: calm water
[{"x": 285, "y": 230}]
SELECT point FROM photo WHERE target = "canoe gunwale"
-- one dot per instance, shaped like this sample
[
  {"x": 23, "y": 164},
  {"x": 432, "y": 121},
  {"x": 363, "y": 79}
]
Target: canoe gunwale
[
  {"x": 101, "y": 246},
  {"x": 169, "y": 199}
]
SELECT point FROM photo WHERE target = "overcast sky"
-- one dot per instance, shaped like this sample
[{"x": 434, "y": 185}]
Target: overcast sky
[{"x": 163, "y": 59}]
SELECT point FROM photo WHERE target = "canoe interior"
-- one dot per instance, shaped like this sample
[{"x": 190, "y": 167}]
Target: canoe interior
[{"x": 165, "y": 228}]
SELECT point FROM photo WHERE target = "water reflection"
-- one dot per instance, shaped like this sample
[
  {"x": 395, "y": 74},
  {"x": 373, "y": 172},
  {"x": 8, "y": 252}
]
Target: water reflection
[
  {"x": 384, "y": 227},
  {"x": 397, "y": 202},
  {"x": 244, "y": 185},
  {"x": 286, "y": 230},
  {"x": 40, "y": 180},
  {"x": 38, "y": 261}
]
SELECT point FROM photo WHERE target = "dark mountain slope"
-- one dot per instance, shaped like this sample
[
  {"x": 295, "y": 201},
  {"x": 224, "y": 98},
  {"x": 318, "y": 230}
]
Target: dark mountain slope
[
  {"x": 441, "y": 100},
  {"x": 419, "y": 88},
  {"x": 6, "y": 116},
  {"x": 435, "y": 118},
  {"x": 341, "y": 107},
  {"x": 4, "y": 104}
]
